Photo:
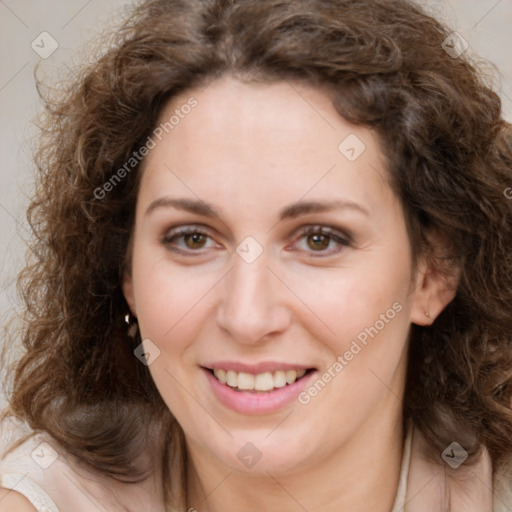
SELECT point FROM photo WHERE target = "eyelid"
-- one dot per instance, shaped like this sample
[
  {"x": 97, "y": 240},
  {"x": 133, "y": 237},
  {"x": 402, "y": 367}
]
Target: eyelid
[
  {"x": 185, "y": 229},
  {"x": 327, "y": 230}
]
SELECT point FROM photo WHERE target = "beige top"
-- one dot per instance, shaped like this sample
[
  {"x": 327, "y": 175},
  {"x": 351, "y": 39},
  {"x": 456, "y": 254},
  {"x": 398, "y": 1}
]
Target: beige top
[{"x": 51, "y": 483}]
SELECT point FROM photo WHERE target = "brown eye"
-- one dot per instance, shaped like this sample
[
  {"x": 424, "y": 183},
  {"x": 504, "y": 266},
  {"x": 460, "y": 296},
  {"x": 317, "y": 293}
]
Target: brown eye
[
  {"x": 187, "y": 240},
  {"x": 320, "y": 238},
  {"x": 194, "y": 240},
  {"x": 318, "y": 241}
]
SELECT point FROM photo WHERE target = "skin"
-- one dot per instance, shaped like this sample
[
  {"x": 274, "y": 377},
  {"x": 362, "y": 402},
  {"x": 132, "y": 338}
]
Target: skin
[
  {"x": 250, "y": 150},
  {"x": 11, "y": 500}
]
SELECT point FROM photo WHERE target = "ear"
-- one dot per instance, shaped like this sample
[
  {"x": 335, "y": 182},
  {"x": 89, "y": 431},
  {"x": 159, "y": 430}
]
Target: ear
[{"x": 435, "y": 282}]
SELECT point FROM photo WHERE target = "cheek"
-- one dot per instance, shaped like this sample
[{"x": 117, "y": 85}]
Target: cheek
[
  {"x": 366, "y": 356},
  {"x": 169, "y": 302},
  {"x": 360, "y": 302},
  {"x": 166, "y": 307},
  {"x": 171, "y": 309},
  {"x": 368, "y": 309}
]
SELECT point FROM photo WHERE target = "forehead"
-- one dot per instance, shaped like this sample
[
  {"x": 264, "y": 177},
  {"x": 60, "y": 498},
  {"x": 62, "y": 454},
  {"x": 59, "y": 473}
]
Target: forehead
[
  {"x": 279, "y": 112},
  {"x": 283, "y": 135}
]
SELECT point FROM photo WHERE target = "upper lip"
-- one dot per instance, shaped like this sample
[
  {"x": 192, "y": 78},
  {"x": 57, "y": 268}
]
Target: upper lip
[{"x": 257, "y": 368}]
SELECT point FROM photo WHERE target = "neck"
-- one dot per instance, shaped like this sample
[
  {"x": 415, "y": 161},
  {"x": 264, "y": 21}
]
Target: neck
[{"x": 361, "y": 474}]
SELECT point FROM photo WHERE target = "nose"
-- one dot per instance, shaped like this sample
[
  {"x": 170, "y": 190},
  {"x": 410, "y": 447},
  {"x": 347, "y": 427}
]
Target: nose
[{"x": 253, "y": 308}]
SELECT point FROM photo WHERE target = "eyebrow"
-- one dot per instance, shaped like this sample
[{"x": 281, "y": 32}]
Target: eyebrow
[{"x": 289, "y": 212}]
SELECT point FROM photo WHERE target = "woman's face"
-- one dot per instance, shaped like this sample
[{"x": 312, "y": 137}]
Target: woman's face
[{"x": 267, "y": 243}]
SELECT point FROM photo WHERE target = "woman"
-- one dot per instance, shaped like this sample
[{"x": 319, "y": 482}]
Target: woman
[{"x": 273, "y": 270}]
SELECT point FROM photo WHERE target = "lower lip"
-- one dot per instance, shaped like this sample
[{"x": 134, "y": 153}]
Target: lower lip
[{"x": 246, "y": 402}]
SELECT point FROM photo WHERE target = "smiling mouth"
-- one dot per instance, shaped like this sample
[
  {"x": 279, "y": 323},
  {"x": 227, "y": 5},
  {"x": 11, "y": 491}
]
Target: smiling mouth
[{"x": 261, "y": 383}]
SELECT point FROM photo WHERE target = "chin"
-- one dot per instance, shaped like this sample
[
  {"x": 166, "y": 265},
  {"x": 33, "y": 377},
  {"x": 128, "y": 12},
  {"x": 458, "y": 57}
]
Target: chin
[{"x": 253, "y": 453}]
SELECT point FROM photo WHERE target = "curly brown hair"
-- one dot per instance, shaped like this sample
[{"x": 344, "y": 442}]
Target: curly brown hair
[{"x": 449, "y": 156}]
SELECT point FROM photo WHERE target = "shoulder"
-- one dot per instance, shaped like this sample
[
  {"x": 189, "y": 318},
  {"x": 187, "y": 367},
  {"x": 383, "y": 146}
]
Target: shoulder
[
  {"x": 11, "y": 500},
  {"x": 42, "y": 472},
  {"x": 34, "y": 473}
]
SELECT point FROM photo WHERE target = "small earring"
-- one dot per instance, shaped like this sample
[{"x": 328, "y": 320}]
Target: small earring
[
  {"x": 427, "y": 314},
  {"x": 132, "y": 325}
]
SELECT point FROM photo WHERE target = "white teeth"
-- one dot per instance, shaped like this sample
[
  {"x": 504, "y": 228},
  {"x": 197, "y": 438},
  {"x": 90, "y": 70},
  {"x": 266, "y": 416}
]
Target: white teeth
[
  {"x": 291, "y": 376},
  {"x": 245, "y": 381},
  {"x": 232, "y": 379},
  {"x": 261, "y": 382},
  {"x": 221, "y": 375},
  {"x": 279, "y": 379}
]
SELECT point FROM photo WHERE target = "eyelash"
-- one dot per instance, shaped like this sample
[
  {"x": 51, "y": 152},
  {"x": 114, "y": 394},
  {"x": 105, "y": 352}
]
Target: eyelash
[{"x": 344, "y": 240}]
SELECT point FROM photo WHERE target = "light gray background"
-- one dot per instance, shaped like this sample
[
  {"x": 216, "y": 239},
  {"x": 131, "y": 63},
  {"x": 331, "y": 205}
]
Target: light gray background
[{"x": 486, "y": 25}]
